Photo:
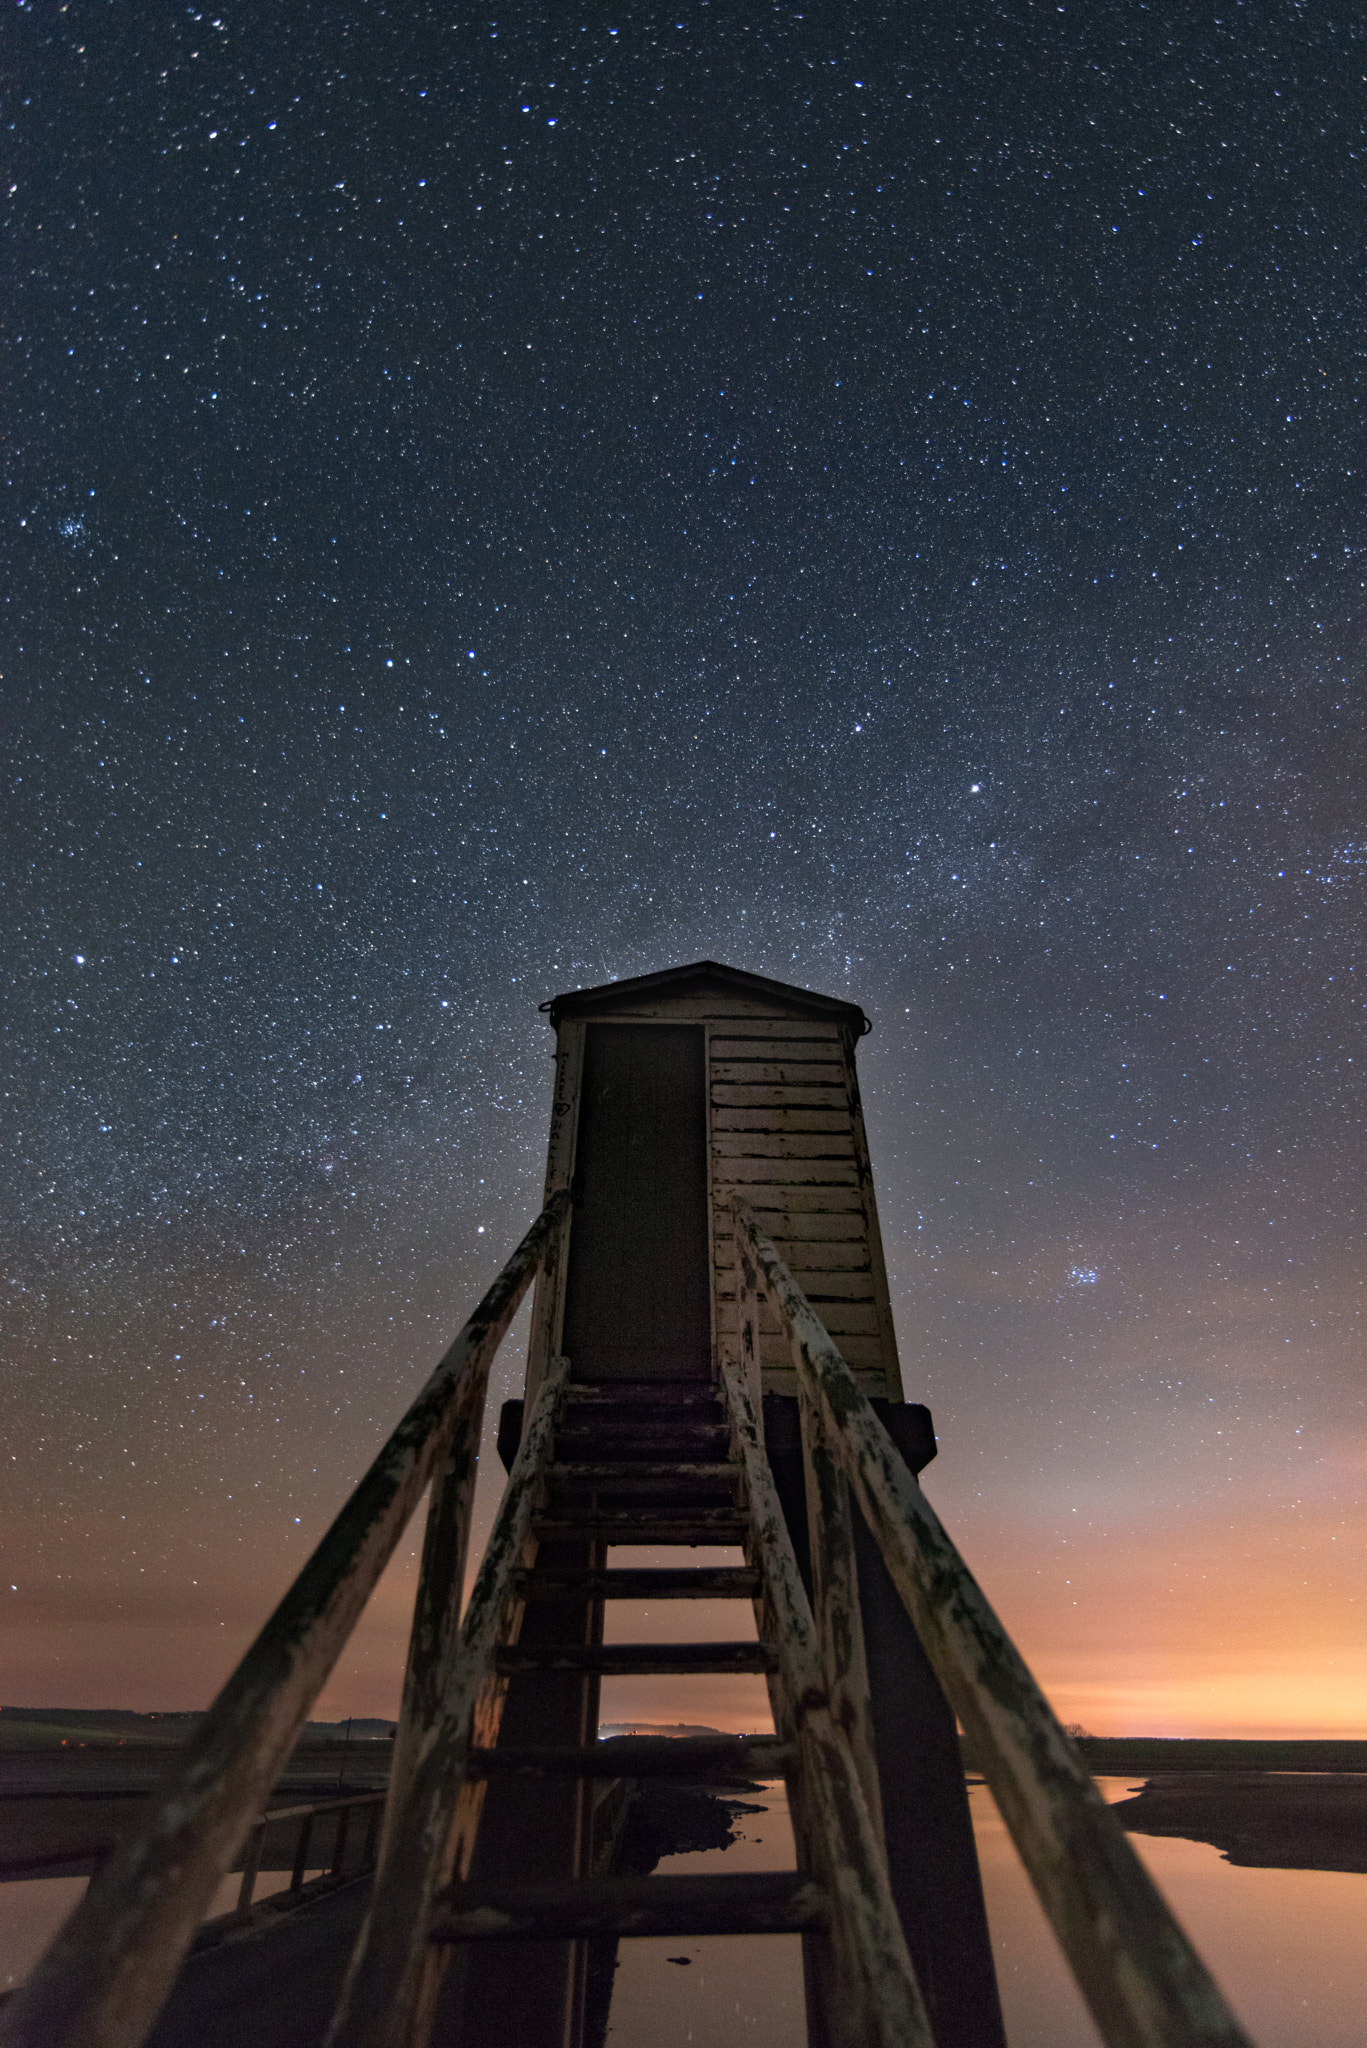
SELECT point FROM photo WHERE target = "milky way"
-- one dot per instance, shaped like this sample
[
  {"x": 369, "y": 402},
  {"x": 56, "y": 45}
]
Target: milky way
[{"x": 501, "y": 504}]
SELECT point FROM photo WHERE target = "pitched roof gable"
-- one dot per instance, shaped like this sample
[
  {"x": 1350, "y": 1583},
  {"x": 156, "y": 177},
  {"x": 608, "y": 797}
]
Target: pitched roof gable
[{"x": 700, "y": 973}]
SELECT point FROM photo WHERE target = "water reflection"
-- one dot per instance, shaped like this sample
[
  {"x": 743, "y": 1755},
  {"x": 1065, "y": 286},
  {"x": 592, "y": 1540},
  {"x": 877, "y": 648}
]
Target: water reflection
[
  {"x": 709, "y": 1992},
  {"x": 1286, "y": 1946},
  {"x": 32, "y": 1909}
]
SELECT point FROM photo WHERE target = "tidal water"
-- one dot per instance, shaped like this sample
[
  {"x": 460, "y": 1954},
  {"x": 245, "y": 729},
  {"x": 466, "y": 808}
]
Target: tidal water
[
  {"x": 32, "y": 1911},
  {"x": 1289, "y": 1947}
]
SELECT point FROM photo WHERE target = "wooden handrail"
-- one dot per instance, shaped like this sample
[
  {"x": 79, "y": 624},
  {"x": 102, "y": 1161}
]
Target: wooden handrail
[
  {"x": 869, "y": 1994},
  {"x": 104, "y": 1978},
  {"x": 1144, "y": 1982}
]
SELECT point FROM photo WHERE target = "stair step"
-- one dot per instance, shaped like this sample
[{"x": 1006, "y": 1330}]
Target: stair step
[
  {"x": 723, "y": 1759},
  {"x": 701, "y": 1582},
  {"x": 684, "y": 1442},
  {"x": 750, "y": 1902},
  {"x": 711, "y": 1526},
  {"x": 634, "y": 1660},
  {"x": 664, "y": 1396},
  {"x": 640, "y": 1472}
]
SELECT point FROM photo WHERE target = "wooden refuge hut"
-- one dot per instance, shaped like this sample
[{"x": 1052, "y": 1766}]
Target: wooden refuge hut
[{"x": 674, "y": 1091}]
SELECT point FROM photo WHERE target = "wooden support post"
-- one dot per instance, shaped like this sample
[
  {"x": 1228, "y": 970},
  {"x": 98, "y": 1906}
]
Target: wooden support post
[
  {"x": 436, "y": 1611},
  {"x": 372, "y": 1836},
  {"x": 339, "y": 1841},
  {"x": 251, "y": 1864},
  {"x": 927, "y": 1826},
  {"x": 301, "y": 1853},
  {"x": 835, "y": 1599},
  {"x": 869, "y": 1992}
]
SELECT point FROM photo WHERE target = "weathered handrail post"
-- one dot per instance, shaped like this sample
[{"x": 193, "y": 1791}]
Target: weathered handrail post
[
  {"x": 835, "y": 1598},
  {"x": 301, "y": 1853},
  {"x": 339, "y": 1841},
  {"x": 395, "y": 1972},
  {"x": 104, "y": 1978},
  {"x": 868, "y": 1991},
  {"x": 250, "y": 1867}
]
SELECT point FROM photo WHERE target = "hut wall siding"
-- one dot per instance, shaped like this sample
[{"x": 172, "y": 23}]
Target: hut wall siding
[
  {"x": 787, "y": 1134},
  {"x": 764, "y": 1144}
]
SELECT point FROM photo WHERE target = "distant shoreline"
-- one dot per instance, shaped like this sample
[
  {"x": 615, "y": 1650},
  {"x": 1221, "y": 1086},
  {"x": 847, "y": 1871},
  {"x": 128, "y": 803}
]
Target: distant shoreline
[
  {"x": 71, "y": 1781},
  {"x": 1105, "y": 1755},
  {"x": 1145, "y": 1756}
]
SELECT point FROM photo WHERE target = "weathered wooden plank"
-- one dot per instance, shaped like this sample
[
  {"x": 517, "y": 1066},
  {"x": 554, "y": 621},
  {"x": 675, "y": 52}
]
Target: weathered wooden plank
[
  {"x": 782, "y": 1379},
  {"x": 840, "y": 1318},
  {"x": 781, "y": 1121},
  {"x": 859, "y": 1353},
  {"x": 815, "y": 1173},
  {"x": 654, "y": 1398},
  {"x": 785, "y": 1200},
  {"x": 1144, "y": 1982},
  {"x": 850, "y": 1257},
  {"x": 105, "y": 1976},
  {"x": 697, "y": 1007},
  {"x": 602, "y": 1472},
  {"x": 721, "y": 1758},
  {"x": 750, "y": 1902},
  {"x": 779, "y": 1049},
  {"x": 647, "y": 1582},
  {"x": 782, "y": 1027},
  {"x": 875, "y": 2001},
  {"x": 851, "y": 1319},
  {"x": 635, "y": 1660},
  {"x": 835, "y": 1598},
  {"x": 670, "y": 1439},
  {"x": 779, "y": 1073},
  {"x": 783, "y": 1145},
  {"x": 830, "y": 1233},
  {"x": 687, "y": 1529},
  {"x": 818, "y": 1287},
  {"x": 752, "y": 1095}
]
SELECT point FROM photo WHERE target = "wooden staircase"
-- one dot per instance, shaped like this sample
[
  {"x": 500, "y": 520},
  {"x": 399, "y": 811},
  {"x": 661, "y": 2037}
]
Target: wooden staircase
[{"x": 641, "y": 1462}]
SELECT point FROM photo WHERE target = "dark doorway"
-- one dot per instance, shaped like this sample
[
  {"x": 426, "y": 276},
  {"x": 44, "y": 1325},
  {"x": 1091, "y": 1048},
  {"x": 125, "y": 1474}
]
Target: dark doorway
[{"x": 637, "y": 1302}]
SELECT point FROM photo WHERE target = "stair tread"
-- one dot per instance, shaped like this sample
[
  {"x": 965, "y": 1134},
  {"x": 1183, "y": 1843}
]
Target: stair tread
[
  {"x": 664, "y": 1582},
  {"x": 752, "y": 1902},
  {"x": 667, "y": 1393},
  {"x": 724, "y": 1758},
  {"x": 726, "y": 1529},
  {"x": 644, "y": 1468},
  {"x": 637, "y": 1659}
]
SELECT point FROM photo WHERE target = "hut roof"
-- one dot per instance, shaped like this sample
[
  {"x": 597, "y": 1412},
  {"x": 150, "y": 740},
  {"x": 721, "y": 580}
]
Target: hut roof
[{"x": 701, "y": 974}]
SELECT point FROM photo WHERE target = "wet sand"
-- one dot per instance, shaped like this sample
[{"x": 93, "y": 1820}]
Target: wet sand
[{"x": 1260, "y": 1819}]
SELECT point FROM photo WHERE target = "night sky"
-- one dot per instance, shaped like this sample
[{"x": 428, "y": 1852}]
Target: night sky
[{"x": 871, "y": 495}]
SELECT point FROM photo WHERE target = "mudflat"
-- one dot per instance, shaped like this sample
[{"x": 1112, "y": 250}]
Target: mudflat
[{"x": 1272, "y": 1820}]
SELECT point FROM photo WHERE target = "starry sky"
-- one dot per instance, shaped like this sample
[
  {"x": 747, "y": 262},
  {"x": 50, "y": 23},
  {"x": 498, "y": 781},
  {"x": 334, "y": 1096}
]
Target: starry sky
[{"x": 870, "y": 494}]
